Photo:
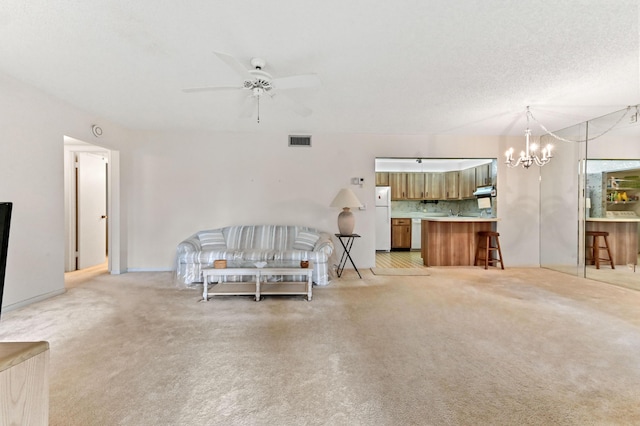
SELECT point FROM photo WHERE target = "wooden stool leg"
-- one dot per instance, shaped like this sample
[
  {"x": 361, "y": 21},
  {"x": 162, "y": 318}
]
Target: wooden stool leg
[
  {"x": 499, "y": 252},
  {"x": 606, "y": 244},
  {"x": 596, "y": 251},
  {"x": 486, "y": 252}
]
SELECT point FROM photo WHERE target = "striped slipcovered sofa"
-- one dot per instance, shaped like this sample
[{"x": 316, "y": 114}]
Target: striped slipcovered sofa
[{"x": 254, "y": 243}]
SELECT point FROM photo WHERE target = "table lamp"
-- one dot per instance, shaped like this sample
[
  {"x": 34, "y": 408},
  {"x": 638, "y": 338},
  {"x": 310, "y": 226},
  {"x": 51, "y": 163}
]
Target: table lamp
[{"x": 345, "y": 200}]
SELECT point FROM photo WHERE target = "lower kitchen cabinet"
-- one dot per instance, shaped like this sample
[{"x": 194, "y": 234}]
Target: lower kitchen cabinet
[{"x": 400, "y": 234}]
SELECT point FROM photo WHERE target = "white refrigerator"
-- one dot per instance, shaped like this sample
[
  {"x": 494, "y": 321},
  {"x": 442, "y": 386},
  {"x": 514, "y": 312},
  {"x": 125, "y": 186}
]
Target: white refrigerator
[{"x": 383, "y": 218}]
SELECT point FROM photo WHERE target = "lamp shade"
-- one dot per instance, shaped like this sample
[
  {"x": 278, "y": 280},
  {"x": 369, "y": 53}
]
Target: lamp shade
[{"x": 346, "y": 198}]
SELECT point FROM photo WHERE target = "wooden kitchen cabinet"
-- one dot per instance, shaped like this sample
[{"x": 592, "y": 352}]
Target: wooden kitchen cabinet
[
  {"x": 434, "y": 183},
  {"x": 401, "y": 234},
  {"x": 415, "y": 186},
  {"x": 483, "y": 175},
  {"x": 382, "y": 178},
  {"x": 467, "y": 182},
  {"x": 452, "y": 187},
  {"x": 398, "y": 183}
]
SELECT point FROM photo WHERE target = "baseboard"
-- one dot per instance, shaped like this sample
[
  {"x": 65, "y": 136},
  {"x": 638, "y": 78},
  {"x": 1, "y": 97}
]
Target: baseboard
[
  {"x": 150, "y": 269},
  {"x": 26, "y": 302}
]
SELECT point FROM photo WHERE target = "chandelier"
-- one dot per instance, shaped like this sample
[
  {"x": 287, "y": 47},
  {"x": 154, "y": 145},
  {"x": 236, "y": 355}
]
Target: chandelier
[{"x": 529, "y": 156}]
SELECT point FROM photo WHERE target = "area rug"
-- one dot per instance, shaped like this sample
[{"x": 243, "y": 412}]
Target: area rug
[{"x": 406, "y": 272}]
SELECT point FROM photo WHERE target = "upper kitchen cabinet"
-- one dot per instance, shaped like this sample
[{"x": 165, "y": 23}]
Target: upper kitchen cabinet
[
  {"x": 467, "y": 182},
  {"x": 398, "y": 184},
  {"x": 434, "y": 179},
  {"x": 434, "y": 186},
  {"x": 483, "y": 175},
  {"x": 452, "y": 185},
  {"x": 382, "y": 179},
  {"x": 415, "y": 186}
]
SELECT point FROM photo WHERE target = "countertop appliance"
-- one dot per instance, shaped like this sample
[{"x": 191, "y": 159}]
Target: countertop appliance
[
  {"x": 416, "y": 234},
  {"x": 383, "y": 218}
]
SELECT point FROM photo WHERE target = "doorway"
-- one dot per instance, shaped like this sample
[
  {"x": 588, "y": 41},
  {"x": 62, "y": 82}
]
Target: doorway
[
  {"x": 90, "y": 234},
  {"x": 411, "y": 189}
]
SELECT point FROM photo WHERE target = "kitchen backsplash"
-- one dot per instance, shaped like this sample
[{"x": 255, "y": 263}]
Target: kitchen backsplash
[{"x": 464, "y": 207}]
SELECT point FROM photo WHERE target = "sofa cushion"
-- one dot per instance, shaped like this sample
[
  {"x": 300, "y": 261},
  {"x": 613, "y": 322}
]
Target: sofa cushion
[
  {"x": 212, "y": 240},
  {"x": 305, "y": 240}
]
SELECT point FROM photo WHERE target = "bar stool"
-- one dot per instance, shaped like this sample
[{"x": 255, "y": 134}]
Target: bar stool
[
  {"x": 594, "y": 248},
  {"x": 487, "y": 248}
]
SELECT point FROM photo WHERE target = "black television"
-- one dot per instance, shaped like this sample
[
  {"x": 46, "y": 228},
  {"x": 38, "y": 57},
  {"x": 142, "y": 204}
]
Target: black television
[{"x": 5, "y": 220}]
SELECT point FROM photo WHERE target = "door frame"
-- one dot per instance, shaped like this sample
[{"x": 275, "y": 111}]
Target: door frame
[{"x": 71, "y": 147}]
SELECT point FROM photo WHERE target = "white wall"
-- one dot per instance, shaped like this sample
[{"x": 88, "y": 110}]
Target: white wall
[
  {"x": 32, "y": 127},
  {"x": 175, "y": 183},
  {"x": 183, "y": 182}
]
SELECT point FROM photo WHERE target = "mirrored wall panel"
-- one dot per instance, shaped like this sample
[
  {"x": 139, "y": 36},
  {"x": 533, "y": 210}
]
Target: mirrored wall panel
[{"x": 590, "y": 200}]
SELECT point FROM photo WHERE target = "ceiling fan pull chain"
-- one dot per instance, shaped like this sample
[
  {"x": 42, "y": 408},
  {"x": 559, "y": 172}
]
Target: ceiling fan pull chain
[{"x": 258, "y": 109}]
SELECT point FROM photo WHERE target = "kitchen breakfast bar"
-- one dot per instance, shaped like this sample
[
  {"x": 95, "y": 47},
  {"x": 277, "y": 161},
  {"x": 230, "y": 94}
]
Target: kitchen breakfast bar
[
  {"x": 623, "y": 237},
  {"x": 452, "y": 241}
]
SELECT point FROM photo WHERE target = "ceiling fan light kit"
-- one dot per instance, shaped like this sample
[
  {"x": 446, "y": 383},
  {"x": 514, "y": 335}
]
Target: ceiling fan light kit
[{"x": 260, "y": 82}]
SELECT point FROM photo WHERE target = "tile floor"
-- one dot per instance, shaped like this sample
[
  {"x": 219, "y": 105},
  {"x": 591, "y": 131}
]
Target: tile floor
[{"x": 399, "y": 259}]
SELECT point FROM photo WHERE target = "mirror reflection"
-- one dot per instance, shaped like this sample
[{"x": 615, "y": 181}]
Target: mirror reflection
[
  {"x": 612, "y": 215},
  {"x": 596, "y": 188}
]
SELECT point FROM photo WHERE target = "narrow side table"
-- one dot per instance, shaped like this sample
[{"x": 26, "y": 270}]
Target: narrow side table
[{"x": 347, "y": 243}]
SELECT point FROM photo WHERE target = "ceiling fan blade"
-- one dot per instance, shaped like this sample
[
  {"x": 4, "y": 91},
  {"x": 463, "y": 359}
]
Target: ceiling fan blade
[
  {"x": 235, "y": 65},
  {"x": 296, "y": 106},
  {"x": 296, "y": 81},
  {"x": 211, "y": 89}
]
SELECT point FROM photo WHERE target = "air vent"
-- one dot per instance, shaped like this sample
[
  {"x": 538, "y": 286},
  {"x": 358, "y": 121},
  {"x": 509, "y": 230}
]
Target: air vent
[{"x": 299, "y": 140}]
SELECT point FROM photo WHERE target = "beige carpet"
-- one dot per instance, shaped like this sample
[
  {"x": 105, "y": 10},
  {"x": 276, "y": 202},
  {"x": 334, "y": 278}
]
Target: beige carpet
[
  {"x": 399, "y": 272},
  {"x": 461, "y": 347}
]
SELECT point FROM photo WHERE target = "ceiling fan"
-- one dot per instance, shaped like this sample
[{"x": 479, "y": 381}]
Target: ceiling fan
[{"x": 259, "y": 83}]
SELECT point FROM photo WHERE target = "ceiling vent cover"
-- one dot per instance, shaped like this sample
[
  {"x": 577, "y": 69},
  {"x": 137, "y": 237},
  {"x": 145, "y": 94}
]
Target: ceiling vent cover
[{"x": 296, "y": 140}]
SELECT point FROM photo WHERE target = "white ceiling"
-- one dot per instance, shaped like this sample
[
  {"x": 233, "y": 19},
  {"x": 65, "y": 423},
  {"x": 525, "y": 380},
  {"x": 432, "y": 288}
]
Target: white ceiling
[{"x": 387, "y": 67}]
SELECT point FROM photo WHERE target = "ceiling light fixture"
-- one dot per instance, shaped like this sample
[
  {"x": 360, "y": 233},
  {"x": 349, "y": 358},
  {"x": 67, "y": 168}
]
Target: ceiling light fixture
[{"x": 529, "y": 156}]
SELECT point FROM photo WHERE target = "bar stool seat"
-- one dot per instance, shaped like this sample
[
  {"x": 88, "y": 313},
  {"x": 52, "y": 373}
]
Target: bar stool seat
[
  {"x": 485, "y": 246},
  {"x": 594, "y": 248}
]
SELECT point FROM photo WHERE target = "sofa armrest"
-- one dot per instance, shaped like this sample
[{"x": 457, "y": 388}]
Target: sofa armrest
[
  {"x": 190, "y": 245},
  {"x": 324, "y": 243}
]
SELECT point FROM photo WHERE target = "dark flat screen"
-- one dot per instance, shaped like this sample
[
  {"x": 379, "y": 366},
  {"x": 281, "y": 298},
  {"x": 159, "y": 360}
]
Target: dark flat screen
[{"x": 5, "y": 221}]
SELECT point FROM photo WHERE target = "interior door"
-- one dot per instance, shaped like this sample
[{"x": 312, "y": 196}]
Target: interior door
[{"x": 92, "y": 209}]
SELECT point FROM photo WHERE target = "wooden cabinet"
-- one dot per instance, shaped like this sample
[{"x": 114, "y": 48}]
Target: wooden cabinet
[
  {"x": 451, "y": 182},
  {"x": 451, "y": 243},
  {"x": 382, "y": 179},
  {"x": 434, "y": 183},
  {"x": 415, "y": 186},
  {"x": 24, "y": 381},
  {"x": 398, "y": 183},
  {"x": 454, "y": 185},
  {"x": 467, "y": 182},
  {"x": 401, "y": 234},
  {"x": 483, "y": 175}
]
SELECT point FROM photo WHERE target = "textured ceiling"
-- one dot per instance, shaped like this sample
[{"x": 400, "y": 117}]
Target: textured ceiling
[{"x": 397, "y": 67}]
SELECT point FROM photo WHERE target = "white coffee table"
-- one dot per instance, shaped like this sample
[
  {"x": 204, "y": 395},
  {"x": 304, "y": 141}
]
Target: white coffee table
[{"x": 257, "y": 288}]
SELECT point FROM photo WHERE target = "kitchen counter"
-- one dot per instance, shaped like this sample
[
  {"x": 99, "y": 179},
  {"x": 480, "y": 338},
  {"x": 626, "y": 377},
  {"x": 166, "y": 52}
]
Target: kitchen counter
[
  {"x": 442, "y": 217},
  {"x": 461, "y": 219},
  {"x": 452, "y": 241},
  {"x": 613, "y": 220},
  {"x": 623, "y": 237}
]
